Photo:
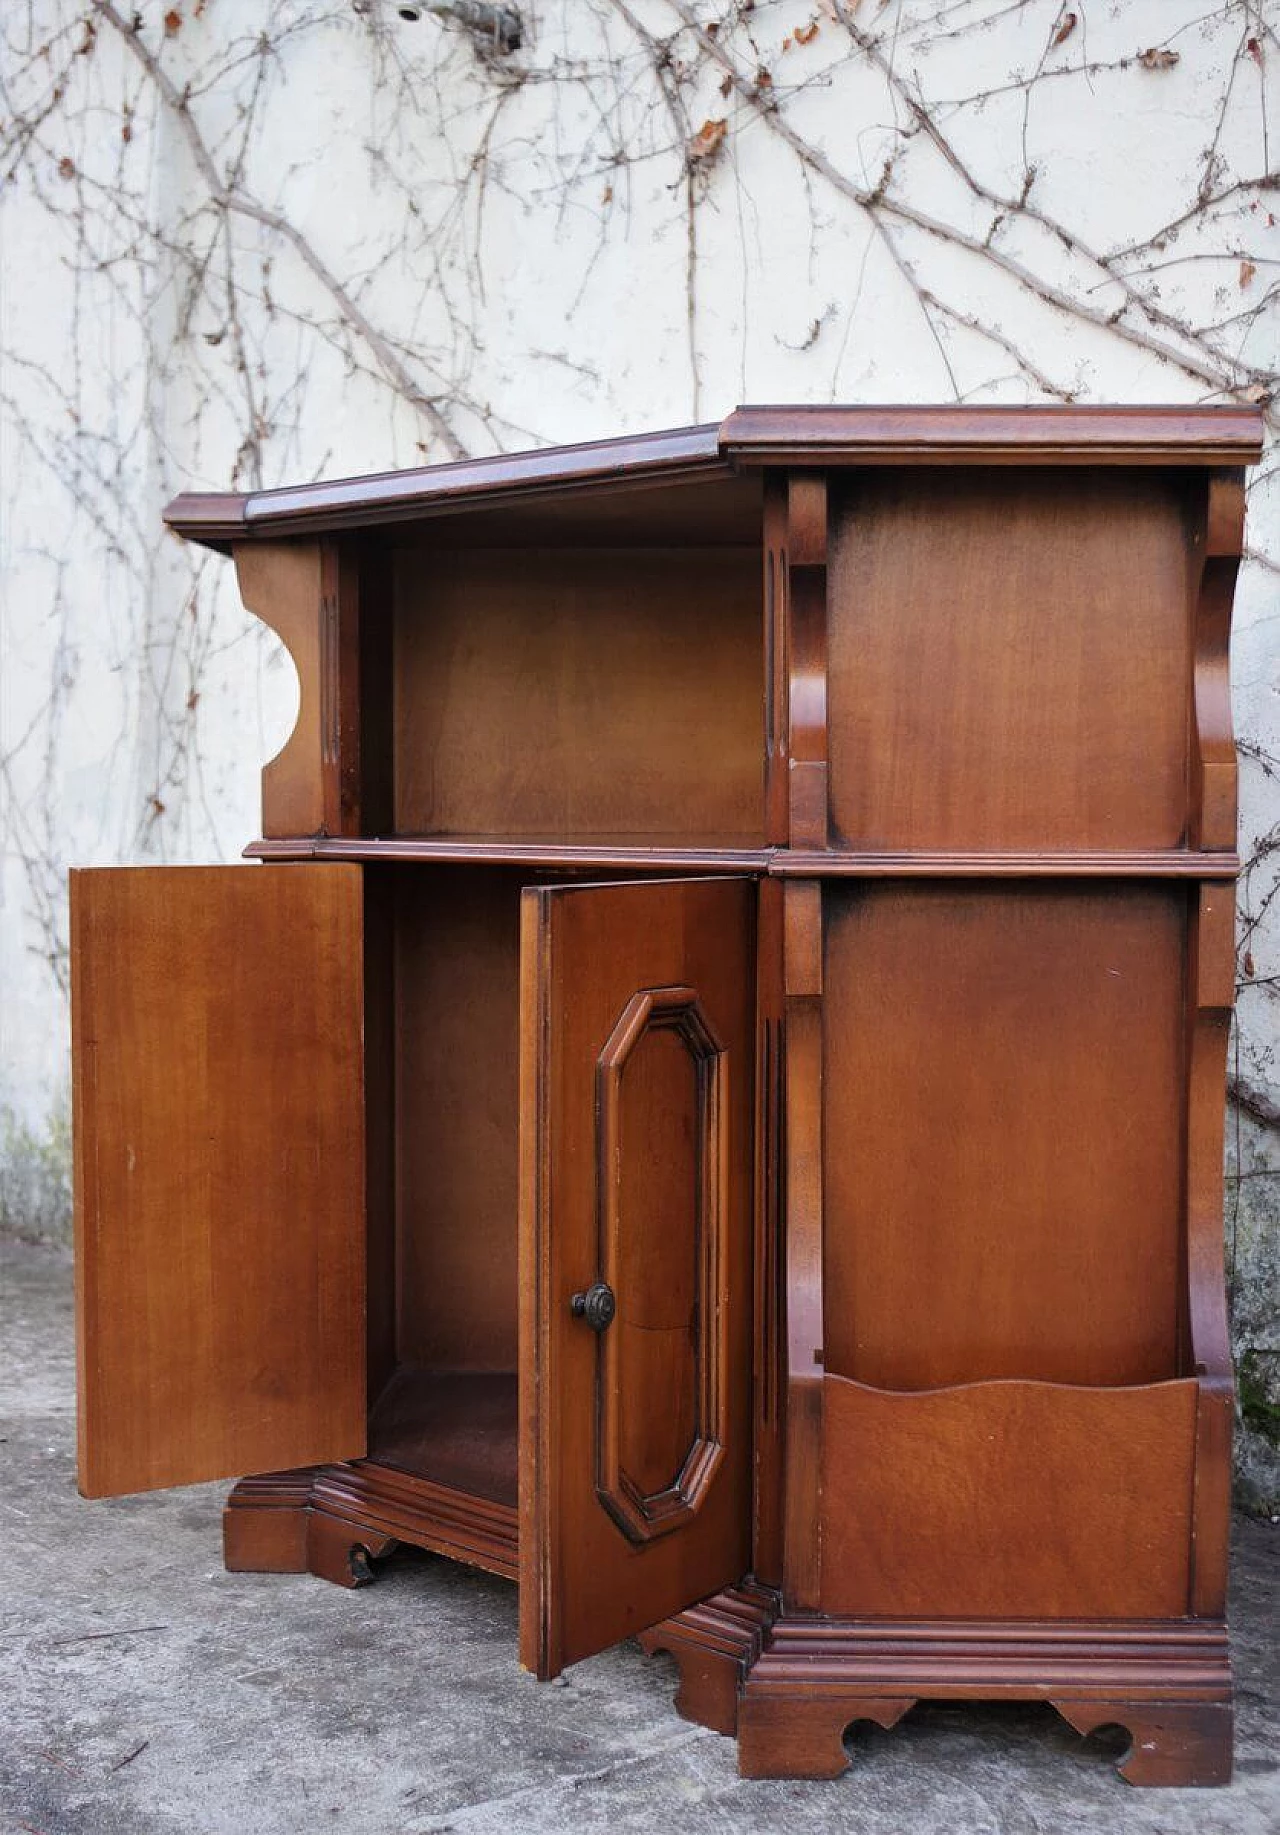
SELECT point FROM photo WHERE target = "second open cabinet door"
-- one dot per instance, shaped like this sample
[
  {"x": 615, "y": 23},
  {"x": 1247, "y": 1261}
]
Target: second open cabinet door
[
  {"x": 637, "y": 1029},
  {"x": 220, "y": 1206}
]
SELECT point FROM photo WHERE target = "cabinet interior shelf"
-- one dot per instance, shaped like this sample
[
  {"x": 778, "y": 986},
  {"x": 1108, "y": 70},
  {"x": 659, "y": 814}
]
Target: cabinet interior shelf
[{"x": 632, "y": 851}]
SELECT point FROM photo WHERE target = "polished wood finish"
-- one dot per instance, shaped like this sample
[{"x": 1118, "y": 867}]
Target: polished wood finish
[
  {"x": 282, "y": 584},
  {"x": 1074, "y": 863},
  {"x": 950, "y": 1503},
  {"x": 802, "y": 981},
  {"x": 1019, "y": 1015},
  {"x": 380, "y": 1128},
  {"x": 369, "y": 1510},
  {"x": 714, "y": 1645},
  {"x": 801, "y": 1734},
  {"x": 458, "y": 1428},
  {"x": 707, "y": 506},
  {"x": 807, "y": 660},
  {"x": 701, "y": 855},
  {"x": 777, "y": 671},
  {"x": 690, "y": 855},
  {"x": 1207, "y": 1344},
  {"x": 620, "y": 1526},
  {"x": 832, "y": 434},
  {"x": 697, "y": 457},
  {"x": 1170, "y": 1742},
  {"x": 663, "y": 1122},
  {"x": 457, "y": 991},
  {"x": 341, "y": 1554},
  {"x": 770, "y": 1209},
  {"x": 219, "y": 1164},
  {"x": 1213, "y": 755},
  {"x": 264, "y": 1525},
  {"x": 1090, "y": 676},
  {"x": 1167, "y": 1683},
  {"x": 902, "y": 1157},
  {"x": 689, "y": 454},
  {"x": 375, "y": 1500},
  {"x": 651, "y": 661}
]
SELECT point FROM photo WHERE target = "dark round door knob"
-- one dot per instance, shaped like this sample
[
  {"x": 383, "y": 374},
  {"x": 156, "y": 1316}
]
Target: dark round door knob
[{"x": 597, "y": 1306}]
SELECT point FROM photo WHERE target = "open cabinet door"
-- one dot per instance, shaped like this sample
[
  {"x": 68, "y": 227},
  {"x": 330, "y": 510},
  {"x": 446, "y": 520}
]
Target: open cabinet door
[
  {"x": 637, "y": 1070},
  {"x": 219, "y": 1163}
]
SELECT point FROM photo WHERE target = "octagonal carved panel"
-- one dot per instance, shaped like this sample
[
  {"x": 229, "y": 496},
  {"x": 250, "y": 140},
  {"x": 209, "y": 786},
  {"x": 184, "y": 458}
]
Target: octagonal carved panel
[{"x": 661, "y": 1116}]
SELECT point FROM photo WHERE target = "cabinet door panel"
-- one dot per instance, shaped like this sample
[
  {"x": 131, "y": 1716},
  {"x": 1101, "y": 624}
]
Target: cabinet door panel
[
  {"x": 636, "y": 1108},
  {"x": 219, "y": 1154}
]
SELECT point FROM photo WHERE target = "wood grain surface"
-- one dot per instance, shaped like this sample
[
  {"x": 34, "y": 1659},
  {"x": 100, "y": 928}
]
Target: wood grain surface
[
  {"x": 1008, "y": 661},
  {"x": 1008, "y": 1500},
  {"x": 1003, "y": 1092},
  {"x": 595, "y": 692},
  {"x": 586, "y": 952},
  {"x": 219, "y": 1157}
]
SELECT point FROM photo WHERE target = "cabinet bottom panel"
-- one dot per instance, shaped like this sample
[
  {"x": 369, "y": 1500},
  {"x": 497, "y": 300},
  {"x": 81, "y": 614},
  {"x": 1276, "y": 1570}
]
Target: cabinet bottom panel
[
  {"x": 335, "y": 1520},
  {"x": 458, "y": 1429}
]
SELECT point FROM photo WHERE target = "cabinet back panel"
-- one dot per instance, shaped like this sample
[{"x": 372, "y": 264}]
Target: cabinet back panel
[
  {"x": 1009, "y": 660},
  {"x": 594, "y": 692},
  {"x": 1003, "y": 1129},
  {"x": 457, "y": 974}
]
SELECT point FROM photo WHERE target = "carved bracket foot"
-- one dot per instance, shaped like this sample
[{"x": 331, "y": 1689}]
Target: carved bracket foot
[
  {"x": 344, "y": 1552},
  {"x": 1167, "y": 1683},
  {"x": 714, "y": 1644},
  {"x": 1170, "y": 1742},
  {"x": 791, "y": 1736},
  {"x": 264, "y": 1524},
  {"x": 272, "y": 1526}
]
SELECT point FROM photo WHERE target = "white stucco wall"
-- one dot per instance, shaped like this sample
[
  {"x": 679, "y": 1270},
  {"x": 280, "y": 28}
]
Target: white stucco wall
[{"x": 265, "y": 240}]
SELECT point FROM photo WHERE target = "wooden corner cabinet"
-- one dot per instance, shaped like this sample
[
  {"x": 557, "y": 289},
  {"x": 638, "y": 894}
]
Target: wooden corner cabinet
[{"x": 708, "y": 1101}]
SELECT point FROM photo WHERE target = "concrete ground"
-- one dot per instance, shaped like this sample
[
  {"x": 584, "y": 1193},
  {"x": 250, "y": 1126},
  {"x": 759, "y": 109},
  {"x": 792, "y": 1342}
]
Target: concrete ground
[{"x": 143, "y": 1691}]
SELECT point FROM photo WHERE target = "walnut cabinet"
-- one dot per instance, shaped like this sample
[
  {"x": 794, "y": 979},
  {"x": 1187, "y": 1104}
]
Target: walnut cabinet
[{"x": 708, "y": 1098}]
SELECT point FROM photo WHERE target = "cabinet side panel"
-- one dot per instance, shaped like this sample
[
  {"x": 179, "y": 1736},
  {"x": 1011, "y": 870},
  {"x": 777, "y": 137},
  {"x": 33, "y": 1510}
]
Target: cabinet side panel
[
  {"x": 1003, "y": 1133},
  {"x": 282, "y": 583},
  {"x": 220, "y": 1152},
  {"x": 1009, "y": 660}
]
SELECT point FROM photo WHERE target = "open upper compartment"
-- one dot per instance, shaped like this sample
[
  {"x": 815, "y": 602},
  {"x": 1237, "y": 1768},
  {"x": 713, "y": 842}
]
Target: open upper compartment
[
  {"x": 562, "y": 648},
  {"x": 581, "y": 647}
]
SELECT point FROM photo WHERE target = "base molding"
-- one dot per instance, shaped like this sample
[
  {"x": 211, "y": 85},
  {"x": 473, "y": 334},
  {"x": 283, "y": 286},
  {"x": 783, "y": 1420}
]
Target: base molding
[
  {"x": 714, "y": 1644},
  {"x": 335, "y": 1521},
  {"x": 789, "y": 1686},
  {"x": 1167, "y": 1683},
  {"x": 264, "y": 1524}
]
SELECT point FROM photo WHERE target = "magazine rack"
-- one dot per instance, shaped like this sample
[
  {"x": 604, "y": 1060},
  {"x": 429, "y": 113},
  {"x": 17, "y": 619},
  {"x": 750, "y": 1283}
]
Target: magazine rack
[{"x": 713, "y": 1106}]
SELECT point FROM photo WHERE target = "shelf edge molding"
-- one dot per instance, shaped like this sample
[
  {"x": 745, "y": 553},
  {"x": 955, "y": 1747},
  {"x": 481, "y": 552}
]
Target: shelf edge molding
[
  {"x": 778, "y": 863},
  {"x": 810, "y": 435}
]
